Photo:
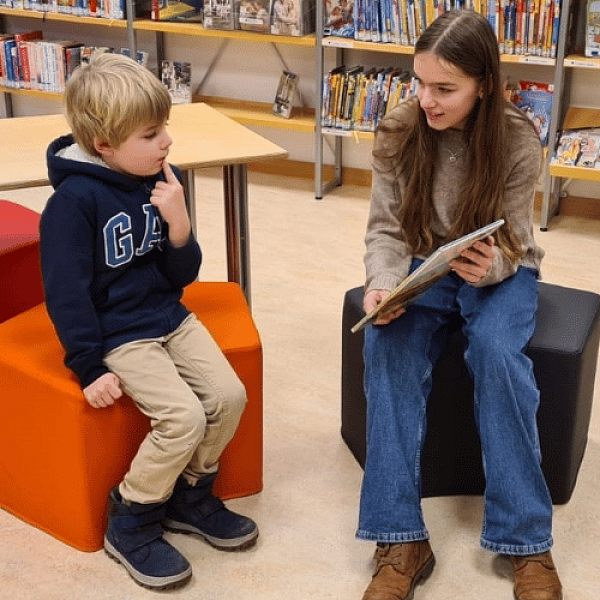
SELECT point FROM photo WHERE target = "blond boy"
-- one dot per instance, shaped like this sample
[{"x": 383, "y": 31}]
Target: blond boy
[{"x": 117, "y": 249}]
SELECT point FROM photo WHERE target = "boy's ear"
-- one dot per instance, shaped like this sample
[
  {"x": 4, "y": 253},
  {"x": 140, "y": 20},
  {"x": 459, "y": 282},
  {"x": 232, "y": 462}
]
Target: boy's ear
[{"x": 103, "y": 148}]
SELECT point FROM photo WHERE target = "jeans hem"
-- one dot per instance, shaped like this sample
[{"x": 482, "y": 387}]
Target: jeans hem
[
  {"x": 517, "y": 550},
  {"x": 393, "y": 538}
]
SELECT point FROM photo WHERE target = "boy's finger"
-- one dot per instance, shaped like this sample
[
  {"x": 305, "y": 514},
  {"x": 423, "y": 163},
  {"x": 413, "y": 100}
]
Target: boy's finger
[{"x": 169, "y": 175}]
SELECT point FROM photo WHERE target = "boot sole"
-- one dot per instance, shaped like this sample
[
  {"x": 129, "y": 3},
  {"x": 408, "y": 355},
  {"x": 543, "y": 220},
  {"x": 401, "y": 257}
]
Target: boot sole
[
  {"x": 147, "y": 581},
  {"x": 229, "y": 545}
]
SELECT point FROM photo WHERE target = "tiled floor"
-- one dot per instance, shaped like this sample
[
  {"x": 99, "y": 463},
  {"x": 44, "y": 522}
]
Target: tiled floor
[{"x": 305, "y": 254}]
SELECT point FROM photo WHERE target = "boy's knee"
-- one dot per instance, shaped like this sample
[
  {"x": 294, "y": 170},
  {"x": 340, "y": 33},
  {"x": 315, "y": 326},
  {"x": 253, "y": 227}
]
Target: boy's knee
[
  {"x": 236, "y": 396},
  {"x": 187, "y": 423}
]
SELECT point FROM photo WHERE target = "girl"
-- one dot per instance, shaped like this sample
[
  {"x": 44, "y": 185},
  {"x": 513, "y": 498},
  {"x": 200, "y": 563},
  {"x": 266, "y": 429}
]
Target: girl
[{"x": 455, "y": 158}]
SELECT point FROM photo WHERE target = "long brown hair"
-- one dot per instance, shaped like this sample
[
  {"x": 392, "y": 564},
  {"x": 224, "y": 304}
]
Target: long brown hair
[{"x": 466, "y": 40}]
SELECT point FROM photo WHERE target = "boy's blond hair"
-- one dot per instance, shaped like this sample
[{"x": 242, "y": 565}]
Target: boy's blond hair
[{"x": 112, "y": 96}]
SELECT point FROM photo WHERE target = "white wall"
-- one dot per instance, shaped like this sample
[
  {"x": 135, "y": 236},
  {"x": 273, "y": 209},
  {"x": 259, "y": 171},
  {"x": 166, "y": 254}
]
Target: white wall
[{"x": 251, "y": 71}]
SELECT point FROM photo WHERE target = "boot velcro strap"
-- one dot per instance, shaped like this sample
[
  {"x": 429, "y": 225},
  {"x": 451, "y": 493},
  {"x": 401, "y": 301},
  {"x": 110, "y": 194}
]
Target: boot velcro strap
[
  {"x": 192, "y": 495},
  {"x": 136, "y": 538},
  {"x": 141, "y": 519},
  {"x": 209, "y": 506}
]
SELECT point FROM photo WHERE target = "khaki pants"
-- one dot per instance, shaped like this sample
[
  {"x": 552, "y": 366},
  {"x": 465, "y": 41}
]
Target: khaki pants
[{"x": 194, "y": 400}]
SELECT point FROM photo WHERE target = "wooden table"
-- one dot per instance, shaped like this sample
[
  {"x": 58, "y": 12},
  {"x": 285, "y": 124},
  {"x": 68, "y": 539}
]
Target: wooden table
[{"x": 202, "y": 137}]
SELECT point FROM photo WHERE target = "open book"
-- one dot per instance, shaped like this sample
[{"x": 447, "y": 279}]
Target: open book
[{"x": 423, "y": 277}]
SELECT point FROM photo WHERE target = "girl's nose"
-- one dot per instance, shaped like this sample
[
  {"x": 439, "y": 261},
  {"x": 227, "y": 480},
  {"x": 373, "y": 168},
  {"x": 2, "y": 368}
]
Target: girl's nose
[{"x": 425, "y": 98}]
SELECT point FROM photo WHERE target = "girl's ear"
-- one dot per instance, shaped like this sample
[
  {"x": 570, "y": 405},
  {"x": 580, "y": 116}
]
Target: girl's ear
[{"x": 482, "y": 86}]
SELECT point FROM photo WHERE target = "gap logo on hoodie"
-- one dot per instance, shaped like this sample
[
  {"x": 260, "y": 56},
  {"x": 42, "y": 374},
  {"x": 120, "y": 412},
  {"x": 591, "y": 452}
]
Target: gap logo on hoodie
[{"x": 118, "y": 237}]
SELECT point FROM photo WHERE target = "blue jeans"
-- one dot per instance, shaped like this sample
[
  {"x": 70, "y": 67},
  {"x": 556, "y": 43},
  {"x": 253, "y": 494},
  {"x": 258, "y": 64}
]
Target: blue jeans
[{"x": 498, "y": 322}]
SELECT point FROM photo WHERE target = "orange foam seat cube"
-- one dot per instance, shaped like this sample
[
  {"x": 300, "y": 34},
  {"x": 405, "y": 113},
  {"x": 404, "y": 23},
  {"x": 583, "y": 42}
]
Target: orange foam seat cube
[
  {"x": 59, "y": 457},
  {"x": 19, "y": 259}
]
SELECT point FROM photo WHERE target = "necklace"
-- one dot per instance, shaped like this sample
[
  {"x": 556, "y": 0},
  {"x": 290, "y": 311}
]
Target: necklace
[{"x": 454, "y": 155}]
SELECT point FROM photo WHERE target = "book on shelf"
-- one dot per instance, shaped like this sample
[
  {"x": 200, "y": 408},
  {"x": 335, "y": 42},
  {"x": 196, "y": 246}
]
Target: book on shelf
[
  {"x": 221, "y": 14},
  {"x": 592, "y": 28},
  {"x": 588, "y": 156},
  {"x": 255, "y": 15},
  {"x": 64, "y": 56},
  {"x": 579, "y": 148},
  {"x": 535, "y": 100},
  {"x": 177, "y": 77},
  {"x": 111, "y": 9},
  {"x": 29, "y": 62},
  {"x": 357, "y": 98},
  {"x": 338, "y": 18},
  {"x": 521, "y": 26},
  {"x": 175, "y": 10},
  {"x": 142, "y": 57},
  {"x": 22, "y": 64},
  {"x": 292, "y": 17},
  {"x": 284, "y": 96},
  {"x": 88, "y": 51},
  {"x": 423, "y": 277}
]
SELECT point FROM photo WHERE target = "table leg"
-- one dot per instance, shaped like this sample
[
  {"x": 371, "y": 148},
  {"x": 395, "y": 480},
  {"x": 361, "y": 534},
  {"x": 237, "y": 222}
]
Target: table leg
[
  {"x": 235, "y": 190},
  {"x": 189, "y": 189}
]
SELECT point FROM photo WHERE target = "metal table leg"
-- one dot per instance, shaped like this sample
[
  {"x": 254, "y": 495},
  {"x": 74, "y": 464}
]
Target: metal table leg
[{"x": 235, "y": 190}]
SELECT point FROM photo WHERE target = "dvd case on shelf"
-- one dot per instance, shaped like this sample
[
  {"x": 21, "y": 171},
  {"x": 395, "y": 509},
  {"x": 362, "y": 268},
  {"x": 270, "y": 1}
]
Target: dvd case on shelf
[
  {"x": 177, "y": 77},
  {"x": 292, "y": 17},
  {"x": 284, "y": 97},
  {"x": 221, "y": 14},
  {"x": 255, "y": 15}
]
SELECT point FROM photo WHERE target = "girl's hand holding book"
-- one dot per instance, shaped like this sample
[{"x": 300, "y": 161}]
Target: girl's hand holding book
[
  {"x": 476, "y": 261},
  {"x": 372, "y": 299}
]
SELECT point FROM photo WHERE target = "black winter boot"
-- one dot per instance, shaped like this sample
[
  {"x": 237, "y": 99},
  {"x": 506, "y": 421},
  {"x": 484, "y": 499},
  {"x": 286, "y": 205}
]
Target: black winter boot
[
  {"x": 194, "y": 509},
  {"x": 134, "y": 539}
]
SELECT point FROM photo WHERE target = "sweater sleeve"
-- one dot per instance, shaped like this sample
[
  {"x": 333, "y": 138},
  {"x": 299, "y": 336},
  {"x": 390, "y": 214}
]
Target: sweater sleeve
[
  {"x": 388, "y": 256},
  {"x": 67, "y": 237},
  {"x": 182, "y": 265}
]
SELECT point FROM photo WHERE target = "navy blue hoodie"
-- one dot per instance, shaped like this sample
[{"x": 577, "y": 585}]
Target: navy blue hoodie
[{"x": 110, "y": 274}]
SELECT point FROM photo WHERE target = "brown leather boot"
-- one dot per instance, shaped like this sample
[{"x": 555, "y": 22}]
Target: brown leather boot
[
  {"x": 536, "y": 577},
  {"x": 399, "y": 568}
]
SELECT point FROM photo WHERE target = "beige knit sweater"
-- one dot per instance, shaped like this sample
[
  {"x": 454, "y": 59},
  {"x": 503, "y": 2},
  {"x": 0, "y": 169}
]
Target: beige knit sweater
[{"x": 388, "y": 257}]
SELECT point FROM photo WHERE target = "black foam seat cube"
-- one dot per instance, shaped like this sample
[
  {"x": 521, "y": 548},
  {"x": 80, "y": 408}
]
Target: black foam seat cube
[{"x": 564, "y": 350}]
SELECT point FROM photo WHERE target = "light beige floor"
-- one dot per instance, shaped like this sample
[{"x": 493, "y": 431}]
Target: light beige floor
[{"x": 305, "y": 255}]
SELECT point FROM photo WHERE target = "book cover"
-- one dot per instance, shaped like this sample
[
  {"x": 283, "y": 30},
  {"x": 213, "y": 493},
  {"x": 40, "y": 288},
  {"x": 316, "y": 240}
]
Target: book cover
[
  {"x": 592, "y": 29},
  {"x": 338, "y": 18},
  {"x": 568, "y": 149},
  {"x": 177, "y": 77},
  {"x": 535, "y": 100},
  {"x": 430, "y": 271},
  {"x": 284, "y": 96},
  {"x": 590, "y": 146}
]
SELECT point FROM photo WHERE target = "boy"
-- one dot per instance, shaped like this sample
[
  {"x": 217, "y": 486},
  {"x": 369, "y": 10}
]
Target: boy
[{"x": 116, "y": 251}]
